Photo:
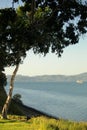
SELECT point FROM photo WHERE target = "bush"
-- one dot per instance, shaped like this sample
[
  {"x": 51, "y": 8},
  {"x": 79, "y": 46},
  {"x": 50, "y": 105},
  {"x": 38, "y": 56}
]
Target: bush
[{"x": 17, "y": 98}]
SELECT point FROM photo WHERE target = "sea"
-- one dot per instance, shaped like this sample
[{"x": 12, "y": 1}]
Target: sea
[{"x": 67, "y": 100}]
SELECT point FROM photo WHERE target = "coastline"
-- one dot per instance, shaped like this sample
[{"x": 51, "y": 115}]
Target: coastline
[{"x": 30, "y": 112}]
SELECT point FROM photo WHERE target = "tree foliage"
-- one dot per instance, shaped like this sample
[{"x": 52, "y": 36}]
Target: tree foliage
[
  {"x": 17, "y": 98},
  {"x": 3, "y": 79},
  {"x": 54, "y": 24},
  {"x": 40, "y": 25}
]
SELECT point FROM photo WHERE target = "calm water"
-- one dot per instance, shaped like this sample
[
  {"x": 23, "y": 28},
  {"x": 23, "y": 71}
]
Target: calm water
[{"x": 65, "y": 100}]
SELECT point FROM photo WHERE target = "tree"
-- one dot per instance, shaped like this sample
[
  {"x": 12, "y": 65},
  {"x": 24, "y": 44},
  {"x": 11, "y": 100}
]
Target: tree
[
  {"x": 17, "y": 98},
  {"x": 7, "y": 55},
  {"x": 59, "y": 22},
  {"x": 40, "y": 25}
]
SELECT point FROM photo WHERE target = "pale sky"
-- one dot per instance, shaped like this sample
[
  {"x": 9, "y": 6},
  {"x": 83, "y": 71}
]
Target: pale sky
[{"x": 73, "y": 60}]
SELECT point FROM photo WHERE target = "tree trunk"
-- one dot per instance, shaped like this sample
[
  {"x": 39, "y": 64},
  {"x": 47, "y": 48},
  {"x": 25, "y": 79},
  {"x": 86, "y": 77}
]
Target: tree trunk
[{"x": 9, "y": 97}]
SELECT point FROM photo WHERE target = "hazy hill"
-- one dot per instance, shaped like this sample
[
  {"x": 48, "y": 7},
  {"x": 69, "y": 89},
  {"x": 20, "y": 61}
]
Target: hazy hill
[{"x": 51, "y": 78}]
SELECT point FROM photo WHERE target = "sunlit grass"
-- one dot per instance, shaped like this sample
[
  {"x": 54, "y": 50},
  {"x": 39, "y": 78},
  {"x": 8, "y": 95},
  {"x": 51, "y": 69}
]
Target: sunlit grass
[{"x": 40, "y": 123}]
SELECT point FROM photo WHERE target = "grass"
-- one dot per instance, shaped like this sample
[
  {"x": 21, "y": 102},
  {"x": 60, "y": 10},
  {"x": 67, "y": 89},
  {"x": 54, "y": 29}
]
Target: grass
[{"x": 40, "y": 123}]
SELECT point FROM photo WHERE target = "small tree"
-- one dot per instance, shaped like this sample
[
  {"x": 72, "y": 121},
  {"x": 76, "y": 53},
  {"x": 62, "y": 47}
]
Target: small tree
[
  {"x": 41, "y": 26},
  {"x": 17, "y": 98}
]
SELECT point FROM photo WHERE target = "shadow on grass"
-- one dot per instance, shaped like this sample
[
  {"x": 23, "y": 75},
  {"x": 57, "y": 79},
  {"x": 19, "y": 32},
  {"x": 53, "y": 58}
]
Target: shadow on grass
[
  {"x": 53, "y": 127},
  {"x": 7, "y": 121}
]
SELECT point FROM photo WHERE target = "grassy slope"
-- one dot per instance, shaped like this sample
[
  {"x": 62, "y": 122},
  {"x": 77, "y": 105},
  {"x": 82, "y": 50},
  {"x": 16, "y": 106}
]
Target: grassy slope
[{"x": 40, "y": 123}]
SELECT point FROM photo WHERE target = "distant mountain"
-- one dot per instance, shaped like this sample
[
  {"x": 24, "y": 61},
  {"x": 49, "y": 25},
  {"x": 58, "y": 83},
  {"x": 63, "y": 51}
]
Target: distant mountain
[{"x": 51, "y": 78}]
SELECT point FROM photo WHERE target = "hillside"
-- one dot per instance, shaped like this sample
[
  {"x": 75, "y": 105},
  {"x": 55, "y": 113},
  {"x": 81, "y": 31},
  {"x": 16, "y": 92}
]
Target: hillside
[
  {"x": 51, "y": 78},
  {"x": 20, "y": 109}
]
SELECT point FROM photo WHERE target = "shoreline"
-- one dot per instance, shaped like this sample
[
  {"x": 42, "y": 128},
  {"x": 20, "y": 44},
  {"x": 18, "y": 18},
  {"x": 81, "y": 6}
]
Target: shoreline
[{"x": 30, "y": 112}]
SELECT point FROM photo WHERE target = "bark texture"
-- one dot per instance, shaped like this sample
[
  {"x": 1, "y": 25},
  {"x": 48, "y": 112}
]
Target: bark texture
[{"x": 9, "y": 97}]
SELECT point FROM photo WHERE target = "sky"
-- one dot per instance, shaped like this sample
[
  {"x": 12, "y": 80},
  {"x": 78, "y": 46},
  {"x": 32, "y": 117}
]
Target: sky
[{"x": 73, "y": 60}]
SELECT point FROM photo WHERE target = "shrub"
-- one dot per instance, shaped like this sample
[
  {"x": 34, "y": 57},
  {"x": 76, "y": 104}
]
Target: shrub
[{"x": 17, "y": 98}]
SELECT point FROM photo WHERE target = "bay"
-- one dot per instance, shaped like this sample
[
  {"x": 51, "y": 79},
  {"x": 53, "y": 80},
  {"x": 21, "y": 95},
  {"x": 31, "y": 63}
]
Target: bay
[{"x": 66, "y": 100}]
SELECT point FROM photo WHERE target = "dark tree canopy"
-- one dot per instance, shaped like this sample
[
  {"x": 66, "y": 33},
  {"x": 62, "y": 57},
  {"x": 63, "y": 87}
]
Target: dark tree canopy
[
  {"x": 3, "y": 79},
  {"x": 57, "y": 23},
  {"x": 41, "y": 25}
]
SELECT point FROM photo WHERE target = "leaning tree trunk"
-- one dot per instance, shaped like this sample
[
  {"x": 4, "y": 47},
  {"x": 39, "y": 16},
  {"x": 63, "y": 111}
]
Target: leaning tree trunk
[{"x": 9, "y": 97}]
